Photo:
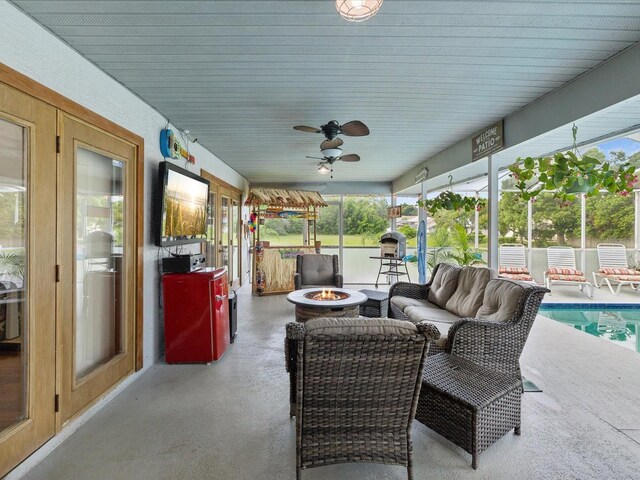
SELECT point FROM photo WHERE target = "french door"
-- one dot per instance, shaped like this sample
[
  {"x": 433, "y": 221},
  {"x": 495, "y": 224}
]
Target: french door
[
  {"x": 96, "y": 254},
  {"x": 27, "y": 275}
]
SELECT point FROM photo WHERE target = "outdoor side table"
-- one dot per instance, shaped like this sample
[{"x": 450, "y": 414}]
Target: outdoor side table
[
  {"x": 468, "y": 404},
  {"x": 377, "y": 304}
]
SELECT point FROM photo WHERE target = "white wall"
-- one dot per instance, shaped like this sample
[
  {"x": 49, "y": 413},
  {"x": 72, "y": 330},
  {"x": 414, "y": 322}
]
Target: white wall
[{"x": 32, "y": 50}]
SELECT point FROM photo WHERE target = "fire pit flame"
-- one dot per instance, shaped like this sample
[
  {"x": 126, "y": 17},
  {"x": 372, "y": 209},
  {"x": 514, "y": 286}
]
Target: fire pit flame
[{"x": 327, "y": 295}]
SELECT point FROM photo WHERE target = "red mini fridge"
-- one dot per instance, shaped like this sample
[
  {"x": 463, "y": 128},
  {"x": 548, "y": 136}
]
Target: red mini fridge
[{"x": 196, "y": 316}]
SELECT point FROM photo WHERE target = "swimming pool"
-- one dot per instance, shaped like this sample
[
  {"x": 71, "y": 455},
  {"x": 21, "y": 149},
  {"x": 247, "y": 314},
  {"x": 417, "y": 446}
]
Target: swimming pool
[{"x": 617, "y": 323}]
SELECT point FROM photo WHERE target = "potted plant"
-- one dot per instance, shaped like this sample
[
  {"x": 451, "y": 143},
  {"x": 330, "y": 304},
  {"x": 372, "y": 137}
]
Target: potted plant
[
  {"x": 449, "y": 200},
  {"x": 567, "y": 174}
]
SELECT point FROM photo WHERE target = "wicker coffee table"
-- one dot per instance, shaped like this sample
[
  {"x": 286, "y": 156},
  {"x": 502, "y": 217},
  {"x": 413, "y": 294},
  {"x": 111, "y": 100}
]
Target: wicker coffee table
[{"x": 345, "y": 304}]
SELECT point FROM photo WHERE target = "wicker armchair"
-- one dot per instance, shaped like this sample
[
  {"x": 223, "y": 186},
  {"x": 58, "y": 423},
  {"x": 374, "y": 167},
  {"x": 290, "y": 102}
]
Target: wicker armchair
[
  {"x": 317, "y": 270},
  {"x": 471, "y": 394},
  {"x": 356, "y": 397}
]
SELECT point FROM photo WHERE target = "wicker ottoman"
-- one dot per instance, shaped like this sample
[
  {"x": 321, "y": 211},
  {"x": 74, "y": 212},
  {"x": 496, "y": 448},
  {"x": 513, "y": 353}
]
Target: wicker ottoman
[
  {"x": 468, "y": 404},
  {"x": 377, "y": 304}
]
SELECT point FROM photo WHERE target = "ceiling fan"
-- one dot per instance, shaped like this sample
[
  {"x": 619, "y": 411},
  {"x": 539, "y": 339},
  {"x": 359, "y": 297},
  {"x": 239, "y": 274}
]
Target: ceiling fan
[
  {"x": 332, "y": 129},
  {"x": 330, "y": 156}
]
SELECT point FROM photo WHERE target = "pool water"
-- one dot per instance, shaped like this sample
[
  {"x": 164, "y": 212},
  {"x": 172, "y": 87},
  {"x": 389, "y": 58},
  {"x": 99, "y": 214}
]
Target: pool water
[{"x": 619, "y": 324}]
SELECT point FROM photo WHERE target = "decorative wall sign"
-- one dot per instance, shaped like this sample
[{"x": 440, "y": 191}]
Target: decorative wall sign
[
  {"x": 394, "y": 212},
  {"x": 488, "y": 141},
  {"x": 170, "y": 147}
]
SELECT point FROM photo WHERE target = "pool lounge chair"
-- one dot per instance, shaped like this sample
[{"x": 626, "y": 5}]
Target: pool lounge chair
[
  {"x": 561, "y": 269},
  {"x": 612, "y": 258},
  {"x": 513, "y": 263}
]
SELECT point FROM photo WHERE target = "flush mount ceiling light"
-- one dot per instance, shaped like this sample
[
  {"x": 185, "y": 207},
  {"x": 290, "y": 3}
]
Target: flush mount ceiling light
[
  {"x": 358, "y": 10},
  {"x": 323, "y": 169}
]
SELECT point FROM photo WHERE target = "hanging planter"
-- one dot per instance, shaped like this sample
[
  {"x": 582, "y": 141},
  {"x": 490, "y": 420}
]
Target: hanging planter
[
  {"x": 449, "y": 200},
  {"x": 567, "y": 174}
]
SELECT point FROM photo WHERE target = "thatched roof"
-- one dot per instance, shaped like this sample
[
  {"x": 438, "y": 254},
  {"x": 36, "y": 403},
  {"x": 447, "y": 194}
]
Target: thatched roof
[{"x": 276, "y": 197}]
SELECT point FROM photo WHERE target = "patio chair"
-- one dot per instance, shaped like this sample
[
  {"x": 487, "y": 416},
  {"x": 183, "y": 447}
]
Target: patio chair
[
  {"x": 317, "y": 270},
  {"x": 513, "y": 263},
  {"x": 354, "y": 389},
  {"x": 562, "y": 270},
  {"x": 614, "y": 267}
]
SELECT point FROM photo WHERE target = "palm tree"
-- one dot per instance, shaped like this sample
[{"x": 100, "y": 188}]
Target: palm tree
[{"x": 463, "y": 253}]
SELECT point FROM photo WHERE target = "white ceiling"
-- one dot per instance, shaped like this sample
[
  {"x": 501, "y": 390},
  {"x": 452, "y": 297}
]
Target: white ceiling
[{"x": 421, "y": 74}]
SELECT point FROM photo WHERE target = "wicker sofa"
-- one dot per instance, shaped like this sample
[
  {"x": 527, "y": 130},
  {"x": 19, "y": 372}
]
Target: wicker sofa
[{"x": 452, "y": 293}]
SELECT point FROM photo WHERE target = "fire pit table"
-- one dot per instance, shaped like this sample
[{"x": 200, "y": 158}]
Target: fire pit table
[{"x": 326, "y": 302}]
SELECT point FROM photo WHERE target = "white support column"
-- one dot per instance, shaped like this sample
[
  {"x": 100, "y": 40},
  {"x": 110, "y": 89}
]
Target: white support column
[
  {"x": 340, "y": 235},
  {"x": 637, "y": 226},
  {"x": 583, "y": 232},
  {"x": 476, "y": 226},
  {"x": 493, "y": 213},
  {"x": 422, "y": 216},
  {"x": 530, "y": 234},
  {"x": 394, "y": 201}
]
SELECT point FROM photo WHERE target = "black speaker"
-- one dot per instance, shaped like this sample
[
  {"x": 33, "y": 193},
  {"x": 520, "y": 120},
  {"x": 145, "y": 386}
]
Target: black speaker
[{"x": 183, "y": 264}]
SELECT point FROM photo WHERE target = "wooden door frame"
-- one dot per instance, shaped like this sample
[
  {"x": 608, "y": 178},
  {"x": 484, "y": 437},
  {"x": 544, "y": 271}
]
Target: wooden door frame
[
  {"x": 21, "y": 82},
  {"x": 21, "y": 438},
  {"x": 232, "y": 193}
]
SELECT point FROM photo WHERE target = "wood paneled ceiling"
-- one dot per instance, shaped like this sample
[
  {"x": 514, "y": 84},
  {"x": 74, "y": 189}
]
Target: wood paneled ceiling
[{"x": 421, "y": 74}]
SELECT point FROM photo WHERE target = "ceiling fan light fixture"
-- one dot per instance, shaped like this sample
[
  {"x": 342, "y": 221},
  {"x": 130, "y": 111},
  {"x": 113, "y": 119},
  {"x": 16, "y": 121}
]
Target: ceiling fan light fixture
[
  {"x": 331, "y": 152},
  {"x": 323, "y": 169},
  {"x": 358, "y": 10}
]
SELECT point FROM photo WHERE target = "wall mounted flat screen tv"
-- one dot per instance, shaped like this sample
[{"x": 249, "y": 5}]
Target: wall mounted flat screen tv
[{"x": 182, "y": 206}]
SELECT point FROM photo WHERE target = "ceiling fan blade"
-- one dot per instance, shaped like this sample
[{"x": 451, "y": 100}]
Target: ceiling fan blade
[
  {"x": 351, "y": 157},
  {"x": 304, "y": 128},
  {"x": 355, "y": 128},
  {"x": 335, "y": 143},
  {"x": 317, "y": 158}
]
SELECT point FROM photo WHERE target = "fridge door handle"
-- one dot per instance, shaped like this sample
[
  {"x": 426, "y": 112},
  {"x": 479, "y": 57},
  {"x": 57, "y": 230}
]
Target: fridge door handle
[{"x": 220, "y": 298}]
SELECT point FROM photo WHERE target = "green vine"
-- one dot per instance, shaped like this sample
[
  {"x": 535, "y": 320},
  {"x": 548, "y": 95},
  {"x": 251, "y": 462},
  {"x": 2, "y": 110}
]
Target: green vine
[
  {"x": 569, "y": 173},
  {"x": 449, "y": 200}
]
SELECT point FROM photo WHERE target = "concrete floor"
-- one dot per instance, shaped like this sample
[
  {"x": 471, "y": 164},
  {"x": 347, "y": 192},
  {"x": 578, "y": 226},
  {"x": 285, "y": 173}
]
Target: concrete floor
[{"x": 230, "y": 420}]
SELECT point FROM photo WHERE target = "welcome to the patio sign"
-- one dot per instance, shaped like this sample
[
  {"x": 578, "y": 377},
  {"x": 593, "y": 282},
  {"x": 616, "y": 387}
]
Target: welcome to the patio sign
[{"x": 488, "y": 141}]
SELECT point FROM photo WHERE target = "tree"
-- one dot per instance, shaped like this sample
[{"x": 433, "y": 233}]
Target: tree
[
  {"x": 364, "y": 216},
  {"x": 408, "y": 231},
  {"x": 610, "y": 218},
  {"x": 512, "y": 216},
  {"x": 409, "y": 210},
  {"x": 554, "y": 218},
  {"x": 328, "y": 219}
]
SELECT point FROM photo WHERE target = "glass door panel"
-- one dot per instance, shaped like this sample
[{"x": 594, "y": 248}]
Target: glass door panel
[
  {"x": 235, "y": 241},
  {"x": 96, "y": 253},
  {"x": 14, "y": 369},
  {"x": 211, "y": 244},
  {"x": 223, "y": 239},
  {"x": 27, "y": 280},
  {"x": 100, "y": 205}
]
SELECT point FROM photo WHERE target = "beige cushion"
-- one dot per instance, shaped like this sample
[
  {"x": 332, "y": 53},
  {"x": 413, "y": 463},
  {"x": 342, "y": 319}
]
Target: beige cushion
[
  {"x": 359, "y": 326},
  {"x": 401, "y": 302},
  {"x": 444, "y": 284},
  {"x": 419, "y": 314},
  {"x": 467, "y": 298},
  {"x": 500, "y": 300}
]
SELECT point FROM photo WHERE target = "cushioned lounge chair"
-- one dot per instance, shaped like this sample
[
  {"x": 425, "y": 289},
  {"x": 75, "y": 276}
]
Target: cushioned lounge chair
[
  {"x": 317, "y": 270},
  {"x": 513, "y": 263},
  {"x": 614, "y": 267},
  {"x": 562, "y": 270}
]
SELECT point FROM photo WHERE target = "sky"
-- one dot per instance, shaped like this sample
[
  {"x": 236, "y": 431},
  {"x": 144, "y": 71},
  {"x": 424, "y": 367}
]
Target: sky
[{"x": 628, "y": 145}]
